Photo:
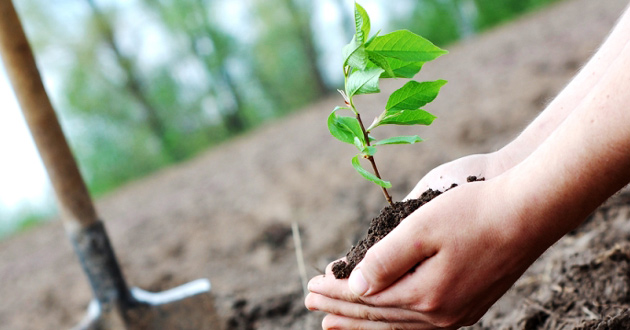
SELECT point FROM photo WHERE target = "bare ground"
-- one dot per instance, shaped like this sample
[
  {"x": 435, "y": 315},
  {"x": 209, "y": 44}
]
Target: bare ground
[{"x": 226, "y": 215}]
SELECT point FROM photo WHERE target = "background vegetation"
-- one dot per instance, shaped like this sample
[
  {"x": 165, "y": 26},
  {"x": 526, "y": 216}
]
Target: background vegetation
[{"x": 144, "y": 84}]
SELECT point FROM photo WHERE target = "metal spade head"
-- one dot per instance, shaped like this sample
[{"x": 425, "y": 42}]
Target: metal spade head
[{"x": 189, "y": 306}]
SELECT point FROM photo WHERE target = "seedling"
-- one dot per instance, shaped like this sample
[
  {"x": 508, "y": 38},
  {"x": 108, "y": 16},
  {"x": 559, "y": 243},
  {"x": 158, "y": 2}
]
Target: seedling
[{"x": 366, "y": 60}]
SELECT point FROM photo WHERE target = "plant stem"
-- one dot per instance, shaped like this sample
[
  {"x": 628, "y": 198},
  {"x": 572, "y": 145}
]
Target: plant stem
[
  {"x": 346, "y": 72},
  {"x": 371, "y": 158}
]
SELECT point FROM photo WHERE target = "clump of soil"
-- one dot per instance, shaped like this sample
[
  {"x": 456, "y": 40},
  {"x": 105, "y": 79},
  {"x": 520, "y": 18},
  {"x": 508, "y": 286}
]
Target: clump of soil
[{"x": 382, "y": 225}]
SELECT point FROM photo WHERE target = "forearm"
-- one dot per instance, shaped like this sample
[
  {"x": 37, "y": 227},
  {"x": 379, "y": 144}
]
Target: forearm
[
  {"x": 569, "y": 99},
  {"x": 583, "y": 162}
]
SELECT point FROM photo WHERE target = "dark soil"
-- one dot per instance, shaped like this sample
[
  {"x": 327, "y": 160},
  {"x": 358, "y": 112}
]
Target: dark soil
[{"x": 382, "y": 225}]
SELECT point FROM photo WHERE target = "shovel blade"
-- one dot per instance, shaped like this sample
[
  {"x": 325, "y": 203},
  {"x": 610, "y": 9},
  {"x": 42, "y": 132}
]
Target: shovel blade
[{"x": 187, "y": 307}]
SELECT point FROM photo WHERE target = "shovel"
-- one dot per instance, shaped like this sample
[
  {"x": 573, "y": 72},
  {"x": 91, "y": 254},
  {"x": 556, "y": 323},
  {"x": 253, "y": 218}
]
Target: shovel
[{"x": 114, "y": 305}]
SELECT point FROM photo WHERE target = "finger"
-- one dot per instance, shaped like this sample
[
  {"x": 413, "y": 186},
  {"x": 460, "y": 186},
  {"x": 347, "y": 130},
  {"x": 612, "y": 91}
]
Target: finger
[
  {"x": 332, "y": 321},
  {"x": 327, "y": 284},
  {"x": 392, "y": 257},
  {"x": 317, "y": 302}
]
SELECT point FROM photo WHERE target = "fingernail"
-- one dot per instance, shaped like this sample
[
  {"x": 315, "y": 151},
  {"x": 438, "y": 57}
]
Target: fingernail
[{"x": 357, "y": 283}]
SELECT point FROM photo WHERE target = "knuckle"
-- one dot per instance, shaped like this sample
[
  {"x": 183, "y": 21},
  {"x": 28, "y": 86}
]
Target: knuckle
[
  {"x": 357, "y": 299},
  {"x": 372, "y": 316},
  {"x": 431, "y": 305}
]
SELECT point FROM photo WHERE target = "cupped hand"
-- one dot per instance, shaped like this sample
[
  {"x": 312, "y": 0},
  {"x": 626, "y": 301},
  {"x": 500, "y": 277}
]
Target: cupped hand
[
  {"x": 468, "y": 246},
  {"x": 457, "y": 171}
]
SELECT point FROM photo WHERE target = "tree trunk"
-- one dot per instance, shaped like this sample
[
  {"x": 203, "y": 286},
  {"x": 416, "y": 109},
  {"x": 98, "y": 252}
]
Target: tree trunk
[
  {"x": 303, "y": 25},
  {"x": 134, "y": 86}
]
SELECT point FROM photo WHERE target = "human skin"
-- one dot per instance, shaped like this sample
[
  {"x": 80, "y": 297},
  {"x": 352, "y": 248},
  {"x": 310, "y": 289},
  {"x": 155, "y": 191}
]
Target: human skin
[
  {"x": 492, "y": 164},
  {"x": 475, "y": 241}
]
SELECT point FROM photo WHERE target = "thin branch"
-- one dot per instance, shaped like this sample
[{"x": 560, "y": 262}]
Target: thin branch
[{"x": 371, "y": 159}]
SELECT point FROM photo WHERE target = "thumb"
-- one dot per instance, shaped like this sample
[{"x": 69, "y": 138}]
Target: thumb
[{"x": 391, "y": 258}]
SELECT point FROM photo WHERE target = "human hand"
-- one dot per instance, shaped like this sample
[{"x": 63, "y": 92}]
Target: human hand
[
  {"x": 457, "y": 171},
  {"x": 472, "y": 245}
]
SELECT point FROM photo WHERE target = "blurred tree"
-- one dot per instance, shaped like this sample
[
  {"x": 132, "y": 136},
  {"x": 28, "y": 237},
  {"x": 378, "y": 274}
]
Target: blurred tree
[
  {"x": 134, "y": 84},
  {"x": 436, "y": 20},
  {"x": 492, "y": 12},
  {"x": 300, "y": 15},
  {"x": 279, "y": 61},
  {"x": 213, "y": 48}
]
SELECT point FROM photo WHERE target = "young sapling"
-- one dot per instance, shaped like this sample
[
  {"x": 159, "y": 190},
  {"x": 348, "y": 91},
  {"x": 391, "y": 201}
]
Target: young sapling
[{"x": 366, "y": 60}]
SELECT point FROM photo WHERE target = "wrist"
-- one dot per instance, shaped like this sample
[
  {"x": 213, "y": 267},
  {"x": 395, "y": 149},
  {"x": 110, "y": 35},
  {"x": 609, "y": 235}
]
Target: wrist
[
  {"x": 534, "y": 224},
  {"x": 502, "y": 160}
]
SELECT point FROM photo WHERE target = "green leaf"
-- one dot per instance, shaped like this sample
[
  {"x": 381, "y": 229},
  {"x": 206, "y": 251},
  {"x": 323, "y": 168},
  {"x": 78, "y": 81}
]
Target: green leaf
[
  {"x": 354, "y": 55},
  {"x": 381, "y": 62},
  {"x": 368, "y": 175},
  {"x": 414, "y": 95},
  {"x": 369, "y": 151},
  {"x": 399, "y": 140},
  {"x": 362, "y": 23},
  {"x": 364, "y": 148},
  {"x": 359, "y": 144},
  {"x": 363, "y": 82},
  {"x": 403, "y": 69},
  {"x": 400, "y": 69},
  {"x": 345, "y": 129},
  {"x": 406, "y": 46},
  {"x": 406, "y": 117}
]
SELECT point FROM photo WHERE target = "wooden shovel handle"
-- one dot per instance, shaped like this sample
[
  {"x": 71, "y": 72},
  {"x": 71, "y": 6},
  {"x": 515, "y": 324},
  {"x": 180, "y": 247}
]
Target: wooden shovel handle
[{"x": 75, "y": 202}]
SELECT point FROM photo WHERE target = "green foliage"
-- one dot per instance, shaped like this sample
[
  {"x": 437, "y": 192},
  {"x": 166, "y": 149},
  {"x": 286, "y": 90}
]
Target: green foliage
[
  {"x": 363, "y": 82},
  {"x": 355, "y": 55},
  {"x": 446, "y": 21},
  {"x": 366, "y": 61},
  {"x": 399, "y": 140},
  {"x": 362, "y": 24},
  {"x": 404, "y": 117},
  {"x": 436, "y": 20},
  {"x": 369, "y": 176},
  {"x": 493, "y": 12},
  {"x": 414, "y": 95},
  {"x": 398, "y": 68},
  {"x": 345, "y": 129},
  {"x": 405, "y": 46}
]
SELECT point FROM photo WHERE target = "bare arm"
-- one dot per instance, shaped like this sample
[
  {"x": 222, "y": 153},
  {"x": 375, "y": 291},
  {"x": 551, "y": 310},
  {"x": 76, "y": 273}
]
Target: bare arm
[
  {"x": 493, "y": 164},
  {"x": 587, "y": 158},
  {"x": 568, "y": 100}
]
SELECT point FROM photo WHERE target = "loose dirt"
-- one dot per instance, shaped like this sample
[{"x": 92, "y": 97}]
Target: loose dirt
[{"x": 226, "y": 215}]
